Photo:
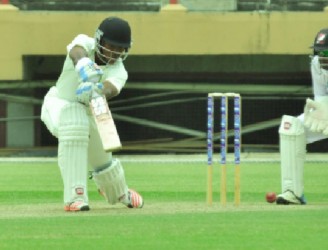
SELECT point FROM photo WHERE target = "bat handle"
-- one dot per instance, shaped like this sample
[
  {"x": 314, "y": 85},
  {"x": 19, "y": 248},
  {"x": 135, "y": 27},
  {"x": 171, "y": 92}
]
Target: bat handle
[{"x": 94, "y": 94}]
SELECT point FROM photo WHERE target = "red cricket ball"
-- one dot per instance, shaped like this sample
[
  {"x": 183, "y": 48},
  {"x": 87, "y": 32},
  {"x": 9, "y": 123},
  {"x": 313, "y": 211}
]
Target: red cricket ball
[{"x": 270, "y": 197}]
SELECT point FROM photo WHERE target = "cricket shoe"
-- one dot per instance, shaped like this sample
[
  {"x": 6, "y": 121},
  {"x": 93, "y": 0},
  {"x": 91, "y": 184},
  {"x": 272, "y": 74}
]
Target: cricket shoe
[
  {"x": 135, "y": 200},
  {"x": 289, "y": 197},
  {"x": 76, "y": 206}
]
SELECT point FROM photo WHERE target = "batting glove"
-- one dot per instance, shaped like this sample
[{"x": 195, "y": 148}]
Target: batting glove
[
  {"x": 88, "y": 70},
  {"x": 86, "y": 89},
  {"x": 316, "y": 115}
]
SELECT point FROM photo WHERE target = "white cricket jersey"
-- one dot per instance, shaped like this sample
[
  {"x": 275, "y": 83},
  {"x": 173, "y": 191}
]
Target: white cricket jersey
[
  {"x": 319, "y": 79},
  {"x": 67, "y": 82},
  {"x": 320, "y": 89}
]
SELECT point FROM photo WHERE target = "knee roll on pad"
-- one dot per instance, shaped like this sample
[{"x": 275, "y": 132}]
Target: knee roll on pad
[
  {"x": 111, "y": 182},
  {"x": 73, "y": 123},
  {"x": 291, "y": 126}
]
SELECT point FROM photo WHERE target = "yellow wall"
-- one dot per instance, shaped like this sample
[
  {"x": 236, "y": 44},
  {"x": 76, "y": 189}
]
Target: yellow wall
[{"x": 159, "y": 33}]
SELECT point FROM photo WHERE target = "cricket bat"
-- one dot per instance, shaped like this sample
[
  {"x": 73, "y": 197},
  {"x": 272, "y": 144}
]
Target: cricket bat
[{"x": 105, "y": 123}]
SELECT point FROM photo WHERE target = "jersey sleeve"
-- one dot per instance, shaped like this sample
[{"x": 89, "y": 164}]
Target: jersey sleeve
[
  {"x": 84, "y": 41},
  {"x": 319, "y": 84},
  {"x": 117, "y": 75}
]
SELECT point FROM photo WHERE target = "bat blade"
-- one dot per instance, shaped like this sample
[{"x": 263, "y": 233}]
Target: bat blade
[{"x": 105, "y": 123}]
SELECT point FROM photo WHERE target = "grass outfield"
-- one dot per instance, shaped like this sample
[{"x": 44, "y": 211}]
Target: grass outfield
[{"x": 175, "y": 215}]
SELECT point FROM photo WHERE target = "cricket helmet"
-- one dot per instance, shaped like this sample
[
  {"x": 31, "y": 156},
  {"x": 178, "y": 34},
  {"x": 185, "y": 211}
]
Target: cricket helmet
[
  {"x": 320, "y": 49},
  {"x": 320, "y": 41},
  {"x": 114, "y": 31}
]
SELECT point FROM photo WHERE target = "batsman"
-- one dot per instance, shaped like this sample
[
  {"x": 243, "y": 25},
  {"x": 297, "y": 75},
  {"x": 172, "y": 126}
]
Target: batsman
[
  {"x": 92, "y": 65},
  {"x": 309, "y": 127}
]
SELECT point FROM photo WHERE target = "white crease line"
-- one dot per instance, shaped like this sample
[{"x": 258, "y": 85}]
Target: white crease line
[{"x": 246, "y": 157}]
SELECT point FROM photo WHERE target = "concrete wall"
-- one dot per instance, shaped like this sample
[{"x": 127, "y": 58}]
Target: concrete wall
[
  {"x": 20, "y": 132},
  {"x": 168, "y": 32},
  {"x": 170, "y": 45}
]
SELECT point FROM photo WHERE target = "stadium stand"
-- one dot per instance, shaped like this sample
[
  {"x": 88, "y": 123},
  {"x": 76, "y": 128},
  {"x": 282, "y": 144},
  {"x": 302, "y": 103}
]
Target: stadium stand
[
  {"x": 282, "y": 5},
  {"x": 87, "y": 5}
]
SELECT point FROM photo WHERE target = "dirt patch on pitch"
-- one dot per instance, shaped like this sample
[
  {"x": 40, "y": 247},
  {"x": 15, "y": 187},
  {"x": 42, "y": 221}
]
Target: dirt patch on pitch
[{"x": 151, "y": 208}]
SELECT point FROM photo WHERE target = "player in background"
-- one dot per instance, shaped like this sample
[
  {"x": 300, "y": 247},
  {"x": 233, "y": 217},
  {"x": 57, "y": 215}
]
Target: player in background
[
  {"x": 309, "y": 127},
  {"x": 91, "y": 64}
]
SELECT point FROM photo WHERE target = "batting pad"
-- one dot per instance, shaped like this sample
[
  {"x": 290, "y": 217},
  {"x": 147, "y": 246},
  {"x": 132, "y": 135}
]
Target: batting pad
[
  {"x": 111, "y": 182},
  {"x": 292, "y": 152},
  {"x": 73, "y": 137}
]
